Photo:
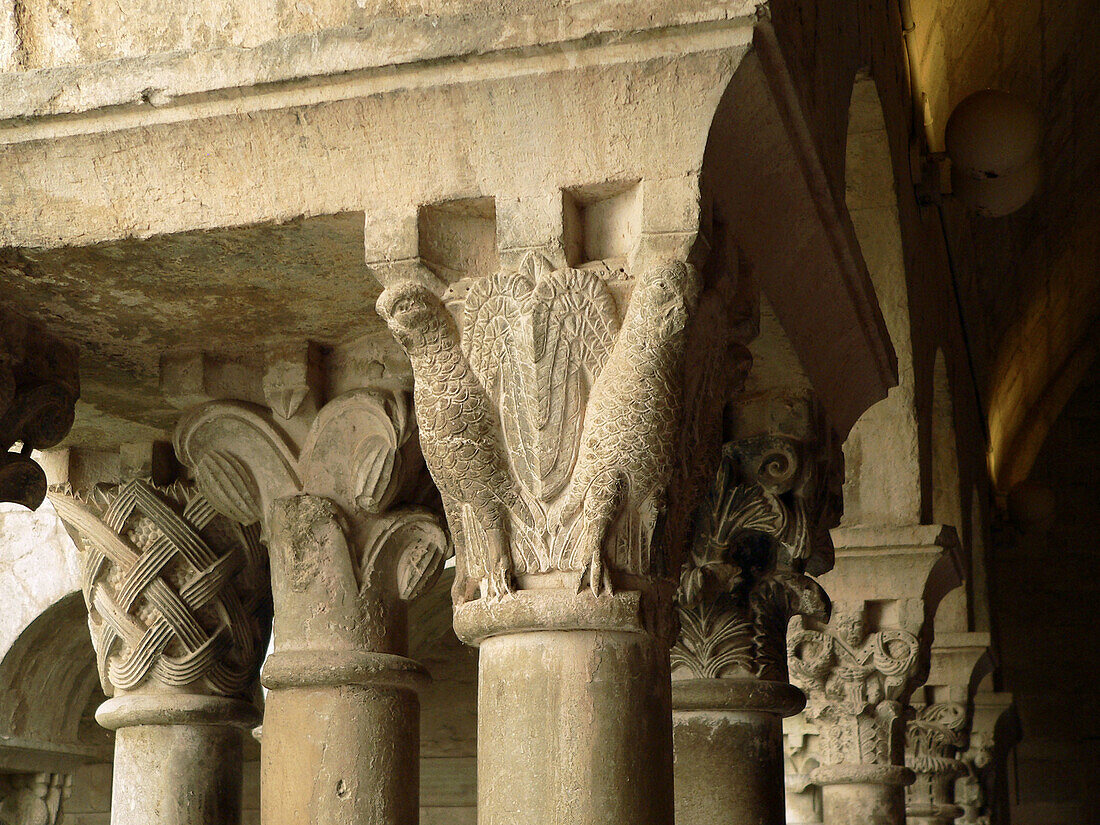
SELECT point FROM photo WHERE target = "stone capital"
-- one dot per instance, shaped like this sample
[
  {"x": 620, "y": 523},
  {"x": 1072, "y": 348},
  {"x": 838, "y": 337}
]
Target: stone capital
[
  {"x": 860, "y": 670},
  {"x": 744, "y": 577},
  {"x": 933, "y": 739},
  {"x": 855, "y": 680},
  {"x": 38, "y": 391},
  {"x": 555, "y": 407},
  {"x": 176, "y": 593},
  {"x": 335, "y": 496},
  {"x": 992, "y": 734}
]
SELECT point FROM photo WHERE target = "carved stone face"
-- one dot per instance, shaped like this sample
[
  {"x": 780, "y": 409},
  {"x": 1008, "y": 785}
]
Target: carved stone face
[{"x": 849, "y": 627}]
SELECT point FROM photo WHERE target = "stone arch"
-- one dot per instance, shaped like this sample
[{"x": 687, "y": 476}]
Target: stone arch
[
  {"x": 45, "y": 649},
  {"x": 885, "y": 490},
  {"x": 763, "y": 179},
  {"x": 53, "y": 658}
]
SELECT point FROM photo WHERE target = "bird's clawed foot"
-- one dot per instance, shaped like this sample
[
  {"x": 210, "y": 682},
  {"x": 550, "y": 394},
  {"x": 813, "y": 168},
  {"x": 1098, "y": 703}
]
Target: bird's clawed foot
[
  {"x": 499, "y": 583},
  {"x": 596, "y": 575}
]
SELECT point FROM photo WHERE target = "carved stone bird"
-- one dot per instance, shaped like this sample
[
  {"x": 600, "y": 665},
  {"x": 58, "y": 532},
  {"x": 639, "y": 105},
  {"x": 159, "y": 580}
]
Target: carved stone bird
[
  {"x": 630, "y": 426},
  {"x": 459, "y": 436}
]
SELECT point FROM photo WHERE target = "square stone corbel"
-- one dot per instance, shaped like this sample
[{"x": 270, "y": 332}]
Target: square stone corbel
[{"x": 905, "y": 571}]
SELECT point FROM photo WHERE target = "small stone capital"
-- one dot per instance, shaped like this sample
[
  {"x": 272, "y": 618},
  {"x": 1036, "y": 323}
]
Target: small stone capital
[
  {"x": 176, "y": 593},
  {"x": 855, "y": 681},
  {"x": 336, "y": 505},
  {"x": 38, "y": 391},
  {"x": 933, "y": 739},
  {"x": 744, "y": 577}
]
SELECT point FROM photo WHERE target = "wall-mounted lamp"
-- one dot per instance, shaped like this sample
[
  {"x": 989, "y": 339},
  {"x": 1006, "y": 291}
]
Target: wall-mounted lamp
[{"x": 992, "y": 139}]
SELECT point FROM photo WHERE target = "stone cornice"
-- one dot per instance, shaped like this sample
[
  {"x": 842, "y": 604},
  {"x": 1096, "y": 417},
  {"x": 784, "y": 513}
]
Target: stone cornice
[{"x": 333, "y": 65}]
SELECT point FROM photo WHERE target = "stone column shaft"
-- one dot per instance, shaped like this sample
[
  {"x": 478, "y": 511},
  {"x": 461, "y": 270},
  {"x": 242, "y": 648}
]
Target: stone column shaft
[
  {"x": 594, "y": 705},
  {"x": 341, "y": 739},
  {"x": 729, "y": 757},
  {"x": 874, "y": 797},
  {"x": 177, "y": 759}
]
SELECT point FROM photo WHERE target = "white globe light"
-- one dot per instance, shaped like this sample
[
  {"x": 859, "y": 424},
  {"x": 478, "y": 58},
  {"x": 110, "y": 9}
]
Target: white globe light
[{"x": 993, "y": 140}]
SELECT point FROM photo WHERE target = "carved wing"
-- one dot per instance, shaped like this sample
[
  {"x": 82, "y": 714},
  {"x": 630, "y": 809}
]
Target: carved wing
[
  {"x": 537, "y": 339},
  {"x": 574, "y": 323},
  {"x": 493, "y": 342}
]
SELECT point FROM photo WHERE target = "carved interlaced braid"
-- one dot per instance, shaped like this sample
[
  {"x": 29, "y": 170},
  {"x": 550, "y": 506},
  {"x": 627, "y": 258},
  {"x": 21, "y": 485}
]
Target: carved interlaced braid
[{"x": 153, "y": 623}]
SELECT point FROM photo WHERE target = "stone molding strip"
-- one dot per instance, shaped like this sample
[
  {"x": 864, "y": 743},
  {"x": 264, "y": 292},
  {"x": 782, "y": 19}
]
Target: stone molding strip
[
  {"x": 747, "y": 695},
  {"x": 526, "y": 611},
  {"x": 853, "y": 774},
  {"x": 176, "y": 709},
  {"x": 316, "y": 668},
  {"x": 241, "y": 88}
]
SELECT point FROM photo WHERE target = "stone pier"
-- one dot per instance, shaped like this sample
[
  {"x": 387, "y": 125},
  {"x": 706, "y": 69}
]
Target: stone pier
[
  {"x": 860, "y": 670},
  {"x": 341, "y": 725},
  {"x": 754, "y": 535}
]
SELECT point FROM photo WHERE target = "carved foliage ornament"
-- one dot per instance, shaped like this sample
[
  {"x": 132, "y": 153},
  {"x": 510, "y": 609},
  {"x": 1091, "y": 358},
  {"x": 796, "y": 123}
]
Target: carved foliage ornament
[
  {"x": 744, "y": 577},
  {"x": 359, "y": 454},
  {"x": 853, "y": 682},
  {"x": 971, "y": 788},
  {"x": 38, "y": 392},
  {"x": 550, "y": 422},
  {"x": 933, "y": 737},
  {"x": 174, "y": 590}
]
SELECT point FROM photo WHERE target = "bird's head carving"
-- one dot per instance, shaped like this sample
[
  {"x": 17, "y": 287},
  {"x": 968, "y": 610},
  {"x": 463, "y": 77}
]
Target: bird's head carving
[
  {"x": 667, "y": 294},
  {"x": 413, "y": 313}
]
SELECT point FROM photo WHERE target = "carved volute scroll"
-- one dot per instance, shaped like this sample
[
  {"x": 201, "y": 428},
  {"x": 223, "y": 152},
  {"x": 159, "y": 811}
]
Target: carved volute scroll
[
  {"x": 176, "y": 593},
  {"x": 38, "y": 391},
  {"x": 336, "y": 509},
  {"x": 933, "y": 739},
  {"x": 745, "y": 575},
  {"x": 551, "y": 419},
  {"x": 855, "y": 681}
]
